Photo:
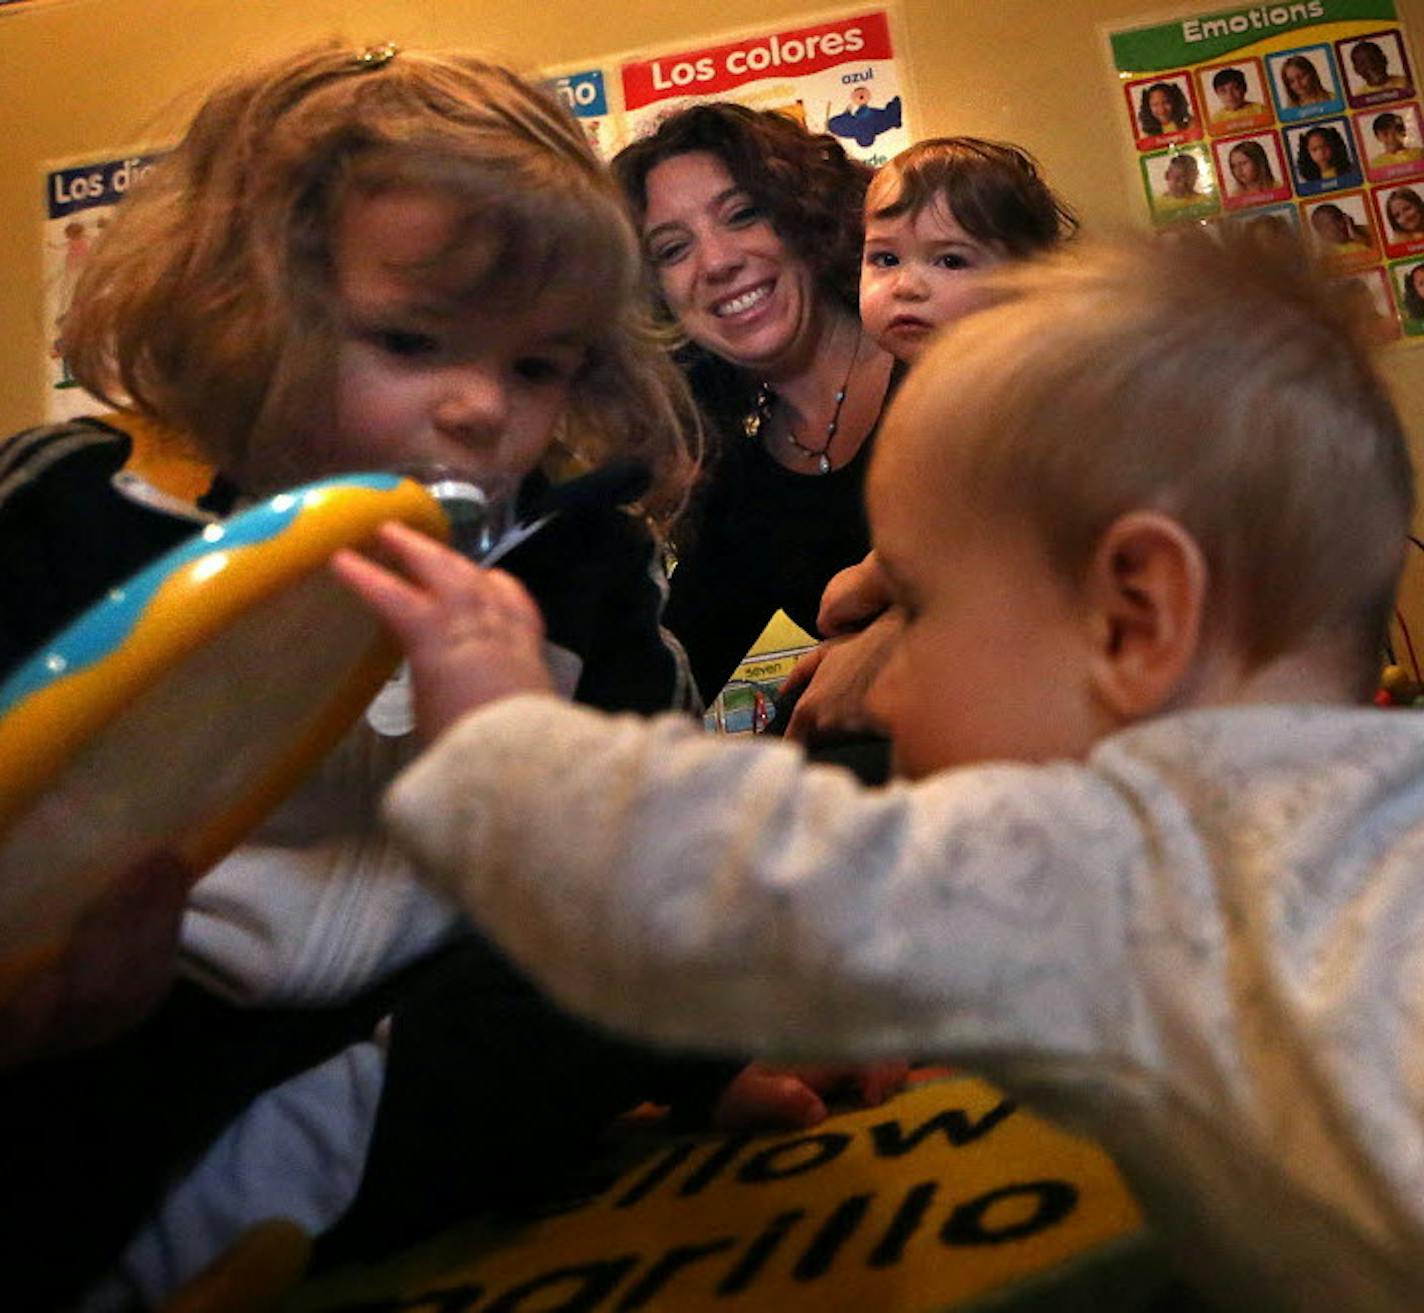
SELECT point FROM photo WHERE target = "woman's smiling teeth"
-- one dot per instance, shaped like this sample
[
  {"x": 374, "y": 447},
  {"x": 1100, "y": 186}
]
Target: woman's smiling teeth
[{"x": 743, "y": 301}]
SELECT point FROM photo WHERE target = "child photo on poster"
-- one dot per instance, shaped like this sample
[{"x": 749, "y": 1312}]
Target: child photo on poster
[
  {"x": 1304, "y": 83},
  {"x": 1163, "y": 111},
  {"x": 1342, "y": 232},
  {"x": 1252, "y": 170},
  {"x": 1391, "y": 142},
  {"x": 1368, "y": 305},
  {"x": 1408, "y": 280},
  {"x": 1322, "y": 158},
  {"x": 1401, "y": 219},
  {"x": 1234, "y": 96},
  {"x": 1180, "y": 185},
  {"x": 1376, "y": 69}
]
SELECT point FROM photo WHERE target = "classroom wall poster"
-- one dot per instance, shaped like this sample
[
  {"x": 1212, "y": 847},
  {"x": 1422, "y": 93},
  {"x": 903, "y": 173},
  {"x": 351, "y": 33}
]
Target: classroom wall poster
[
  {"x": 584, "y": 94},
  {"x": 838, "y": 73},
  {"x": 79, "y": 199},
  {"x": 839, "y": 76},
  {"x": 1298, "y": 117}
]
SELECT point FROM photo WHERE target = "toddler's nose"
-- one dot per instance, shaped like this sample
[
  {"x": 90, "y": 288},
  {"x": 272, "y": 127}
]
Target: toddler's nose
[
  {"x": 910, "y": 283},
  {"x": 472, "y": 401}
]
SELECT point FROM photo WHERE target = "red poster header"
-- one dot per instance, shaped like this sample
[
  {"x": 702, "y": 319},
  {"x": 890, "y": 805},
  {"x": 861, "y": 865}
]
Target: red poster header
[{"x": 716, "y": 69}]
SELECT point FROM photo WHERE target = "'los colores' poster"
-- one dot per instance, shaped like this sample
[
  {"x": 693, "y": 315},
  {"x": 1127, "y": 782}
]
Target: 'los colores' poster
[{"x": 840, "y": 74}]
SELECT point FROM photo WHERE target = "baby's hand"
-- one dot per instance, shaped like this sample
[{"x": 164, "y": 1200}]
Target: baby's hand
[
  {"x": 764, "y": 1097},
  {"x": 853, "y": 598},
  {"x": 471, "y": 635},
  {"x": 833, "y": 680}
]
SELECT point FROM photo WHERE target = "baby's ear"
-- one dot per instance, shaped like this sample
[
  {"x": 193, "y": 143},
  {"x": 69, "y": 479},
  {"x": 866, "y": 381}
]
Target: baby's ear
[{"x": 1146, "y": 587}]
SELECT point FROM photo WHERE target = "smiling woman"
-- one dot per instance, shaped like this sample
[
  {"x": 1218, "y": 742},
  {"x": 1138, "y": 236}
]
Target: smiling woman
[{"x": 752, "y": 228}]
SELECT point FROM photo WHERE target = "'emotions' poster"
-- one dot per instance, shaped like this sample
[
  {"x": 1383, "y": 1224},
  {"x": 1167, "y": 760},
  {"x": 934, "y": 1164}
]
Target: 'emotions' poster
[{"x": 1299, "y": 122}]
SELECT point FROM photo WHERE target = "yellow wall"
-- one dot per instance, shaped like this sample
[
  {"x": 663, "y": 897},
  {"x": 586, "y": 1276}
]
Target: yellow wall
[{"x": 87, "y": 77}]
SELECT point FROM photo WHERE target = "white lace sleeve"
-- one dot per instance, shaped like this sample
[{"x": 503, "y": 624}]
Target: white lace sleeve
[{"x": 668, "y": 883}]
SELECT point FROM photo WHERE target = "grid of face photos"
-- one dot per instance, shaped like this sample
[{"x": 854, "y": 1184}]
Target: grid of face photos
[{"x": 1323, "y": 141}]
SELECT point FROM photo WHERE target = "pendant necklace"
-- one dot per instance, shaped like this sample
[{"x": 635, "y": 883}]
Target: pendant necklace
[{"x": 761, "y": 412}]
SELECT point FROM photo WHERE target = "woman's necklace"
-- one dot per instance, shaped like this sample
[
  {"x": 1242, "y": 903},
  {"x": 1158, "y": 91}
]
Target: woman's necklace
[{"x": 761, "y": 413}]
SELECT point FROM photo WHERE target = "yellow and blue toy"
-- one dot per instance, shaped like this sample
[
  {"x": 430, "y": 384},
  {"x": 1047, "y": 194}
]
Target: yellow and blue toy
[{"x": 179, "y": 709}]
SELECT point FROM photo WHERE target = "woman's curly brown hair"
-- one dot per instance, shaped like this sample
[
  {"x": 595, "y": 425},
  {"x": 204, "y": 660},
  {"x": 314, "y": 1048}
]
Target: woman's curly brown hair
[{"x": 813, "y": 192}]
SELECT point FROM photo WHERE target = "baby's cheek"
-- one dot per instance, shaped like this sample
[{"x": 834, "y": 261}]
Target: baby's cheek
[{"x": 871, "y": 318}]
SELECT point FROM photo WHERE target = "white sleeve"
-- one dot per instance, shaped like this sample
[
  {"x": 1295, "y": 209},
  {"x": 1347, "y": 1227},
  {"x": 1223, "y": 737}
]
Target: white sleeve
[{"x": 692, "y": 890}]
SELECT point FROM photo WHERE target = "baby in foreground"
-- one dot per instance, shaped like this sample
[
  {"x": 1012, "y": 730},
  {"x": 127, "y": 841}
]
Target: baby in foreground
[{"x": 1154, "y": 866}]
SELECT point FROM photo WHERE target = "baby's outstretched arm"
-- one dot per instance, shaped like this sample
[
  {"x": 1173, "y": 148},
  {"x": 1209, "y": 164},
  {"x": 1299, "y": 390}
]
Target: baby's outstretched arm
[
  {"x": 471, "y": 635},
  {"x": 729, "y": 897}
]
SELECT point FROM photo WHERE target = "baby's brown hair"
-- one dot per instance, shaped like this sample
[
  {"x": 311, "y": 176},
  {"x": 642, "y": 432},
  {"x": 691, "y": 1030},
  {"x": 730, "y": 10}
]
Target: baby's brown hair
[{"x": 994, "y": 191}]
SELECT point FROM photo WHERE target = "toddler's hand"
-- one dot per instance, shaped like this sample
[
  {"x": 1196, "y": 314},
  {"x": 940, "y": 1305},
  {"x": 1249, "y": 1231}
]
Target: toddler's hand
[{"x": 471, "y": 635}]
